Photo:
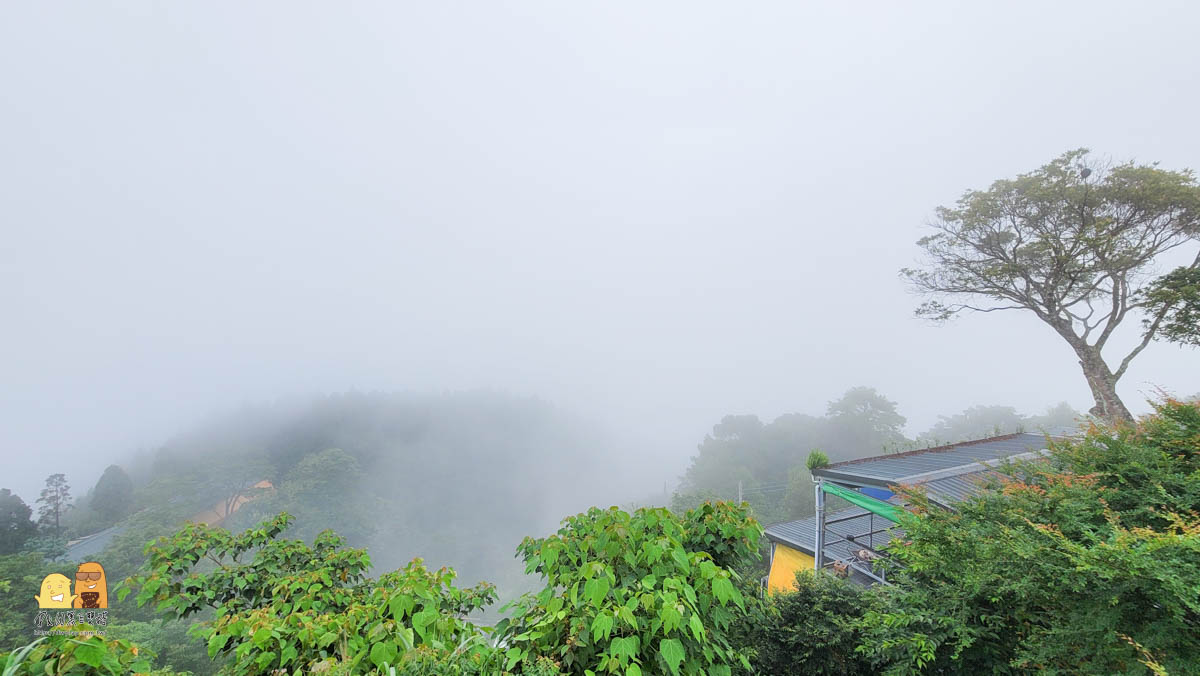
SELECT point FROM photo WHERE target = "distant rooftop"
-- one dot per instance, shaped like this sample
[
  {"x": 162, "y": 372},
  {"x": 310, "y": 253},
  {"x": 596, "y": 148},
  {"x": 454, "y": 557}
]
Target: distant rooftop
[
  {"x": 948, "y": 473},
  {"x": 87, "y": 547}
]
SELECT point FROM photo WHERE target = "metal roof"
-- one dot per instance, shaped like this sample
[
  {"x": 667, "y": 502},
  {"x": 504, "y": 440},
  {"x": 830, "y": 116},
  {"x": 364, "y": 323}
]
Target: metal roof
[
  {"x": 802, "y": 534},
  {"x": 86, "y": 548},
  {"x": 941, "y": 467}
]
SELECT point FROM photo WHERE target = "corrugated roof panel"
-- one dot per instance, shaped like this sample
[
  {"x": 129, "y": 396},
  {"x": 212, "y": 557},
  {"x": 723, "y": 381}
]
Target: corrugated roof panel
[
  {"x": 88, "y": 547},
  {"x": 802, "y": 534},
  {"x": 900, "y": 467}
]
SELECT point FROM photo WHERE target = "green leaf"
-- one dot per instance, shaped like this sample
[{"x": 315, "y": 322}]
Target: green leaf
[
  {"x": 400, "y": 606},
  {"x": 265, "y": 658},
  {"x": 90, "y": 653},
  {"x": 287, "y": 654},
  {"x": 681, "y": 559},
  {"x": 383, "y": 653},
  {"x": 624, "y": 648},
  {"x": 672, "y": 653},
  {"x": 627, "y": 615},
  {"x": 215, "y": 643},
  {"x": 513, "y": 656},
  {"x": 697, "y": 627},
  {"x": 596, "y": 589},
  {"x": 261, "y": 637},
  {"x": 602, "y": 626},
  {"x": 422, "y": 620},
  {"x": 723, "y": 589},
  {"x": 671, "y": 617}
]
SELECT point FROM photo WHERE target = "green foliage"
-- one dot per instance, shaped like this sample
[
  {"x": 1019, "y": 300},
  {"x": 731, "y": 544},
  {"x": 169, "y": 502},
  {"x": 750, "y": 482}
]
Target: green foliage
[
  {"x": 301, "y": 608},
  {"x": 323, "y": 491},
  {"x": 1061, "y": 242},
  {"x": 867, "y": 420},
  {"x": 799, "y": 500},
  {"x": 169, "y": 640},
  {"x": 23, "y": 574},
  {"x": 763, "y": 456},
  {"x": 978, "y": 422},
  {"x": 810, "y": 630},
  {"x": 15, "y": 525},
  {"x": 54, "y": 502},
  {"x": 1088, "y": 564},
  {"x": 46, "y": 545},
  {"x": 109, "y": 501},
  {"x": 425, "y": 661},
  {"x": 816, "y": 459},
  {"x": 644, "y": 593},
  {"x": 83, "y": 654},
  {"x": 1173, "y": 307},
  {"x": 471, "y": 449}
]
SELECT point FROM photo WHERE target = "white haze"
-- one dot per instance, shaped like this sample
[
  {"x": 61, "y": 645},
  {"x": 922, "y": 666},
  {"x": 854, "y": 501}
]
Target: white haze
[{"x": 649, "y": 214}]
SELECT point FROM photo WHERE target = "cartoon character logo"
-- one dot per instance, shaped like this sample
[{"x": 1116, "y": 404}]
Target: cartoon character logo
[
  {"x": 56, "y": 592},
  {"x": 91, "y": 589}
]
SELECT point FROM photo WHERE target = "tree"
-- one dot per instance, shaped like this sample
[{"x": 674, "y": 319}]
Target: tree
[
  {"x": 976, "y": 422},
  {"x": 321, "y": 492},
  {"x": 113, "y": 494},
  {"x": 1071, "y": 242},
  {"x": 15, "y": 525},
  {"x": 55, "y": 500},
  {"x": 1175, "y": 297},
  {"x": 763, "y": 457},
  {"x": 233, "y": 479},
  {"x": 1057, "y": 417},
  {"x": 868, "y": 420}
]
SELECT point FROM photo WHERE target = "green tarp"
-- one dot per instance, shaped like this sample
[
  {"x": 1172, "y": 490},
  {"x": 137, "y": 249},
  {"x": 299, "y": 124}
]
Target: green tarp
[{"x": 884, "y": 509}]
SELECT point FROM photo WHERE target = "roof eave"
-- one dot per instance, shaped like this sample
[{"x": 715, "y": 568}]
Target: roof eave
[{"x": 853, "y": 479}]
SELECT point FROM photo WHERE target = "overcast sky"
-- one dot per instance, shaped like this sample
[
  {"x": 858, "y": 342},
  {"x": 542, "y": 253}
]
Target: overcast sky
[{"x": 653, "y": 214}]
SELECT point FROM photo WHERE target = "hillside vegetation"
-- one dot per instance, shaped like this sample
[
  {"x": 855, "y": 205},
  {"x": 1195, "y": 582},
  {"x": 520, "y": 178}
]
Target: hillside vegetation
[{"x": 1088, "y": 563}]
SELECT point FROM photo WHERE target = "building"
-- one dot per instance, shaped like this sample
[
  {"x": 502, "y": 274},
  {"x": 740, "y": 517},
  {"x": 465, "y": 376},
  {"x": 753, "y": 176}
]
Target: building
[{"x": 850, "y": 535}]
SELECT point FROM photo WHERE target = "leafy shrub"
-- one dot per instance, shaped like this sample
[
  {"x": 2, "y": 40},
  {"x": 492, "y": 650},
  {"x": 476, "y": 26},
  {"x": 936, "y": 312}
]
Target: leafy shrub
[
  {"x": 424, "y": 661},
  {"x": 816, "y": 459},
  {"x": 82, "y": 654},
  {"x": 20, "y": 572},
  {"x": 809, "y": 630},
  {"x": 1095, "y": 569},
  {"x": 298, "y": 608},
  {"x": 169, "y": 640},
  {"x": 644, "y": 593}
]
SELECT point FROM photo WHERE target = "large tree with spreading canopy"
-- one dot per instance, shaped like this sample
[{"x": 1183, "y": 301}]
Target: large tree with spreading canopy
[{"x": 1075, "y": 242}]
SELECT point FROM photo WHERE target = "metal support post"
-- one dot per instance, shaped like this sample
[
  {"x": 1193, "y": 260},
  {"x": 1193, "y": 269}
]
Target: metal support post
[{"x": 819, "y": 550}]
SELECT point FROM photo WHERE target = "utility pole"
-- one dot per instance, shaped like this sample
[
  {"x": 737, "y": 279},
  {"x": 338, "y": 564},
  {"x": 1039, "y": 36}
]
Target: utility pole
[{"x": 739, "y": 492}]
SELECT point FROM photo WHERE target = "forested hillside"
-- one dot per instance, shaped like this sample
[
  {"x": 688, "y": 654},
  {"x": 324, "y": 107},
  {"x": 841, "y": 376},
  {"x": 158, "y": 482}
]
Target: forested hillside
[
  {"x": 454, "y": 478},
  {"x": 1086, "y": 563},
  {"x": 457, "y": 479}
]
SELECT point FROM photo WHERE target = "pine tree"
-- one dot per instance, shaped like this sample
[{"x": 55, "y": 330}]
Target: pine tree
[{"x": 54, "y": 502}]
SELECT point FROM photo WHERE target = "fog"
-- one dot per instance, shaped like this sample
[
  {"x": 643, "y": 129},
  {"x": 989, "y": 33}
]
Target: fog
[{"x": 648, "y": 216}]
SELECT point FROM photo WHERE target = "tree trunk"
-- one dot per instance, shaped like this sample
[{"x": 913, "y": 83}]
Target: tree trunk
[{"x": 1104, "y": 386}]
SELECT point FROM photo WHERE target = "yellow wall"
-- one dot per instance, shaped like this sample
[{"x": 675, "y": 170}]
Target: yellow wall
[{"x": 784, "y": 564}]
